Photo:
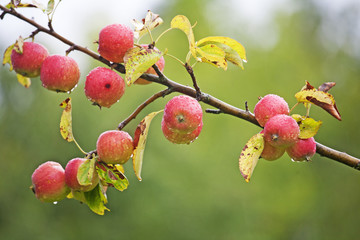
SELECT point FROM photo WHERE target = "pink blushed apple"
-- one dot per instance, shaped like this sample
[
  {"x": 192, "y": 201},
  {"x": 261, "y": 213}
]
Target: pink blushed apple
[
  {"x": 59, "y": 73},
  {"x": 114, "y": 147},
  {"x": 48, "y": 182},
  {"x": 28, "y": 63},
  {"x": 71, "y": 172}
]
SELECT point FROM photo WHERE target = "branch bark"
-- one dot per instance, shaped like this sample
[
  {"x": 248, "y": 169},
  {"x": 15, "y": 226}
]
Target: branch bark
[{"x": 221, "y": 107}]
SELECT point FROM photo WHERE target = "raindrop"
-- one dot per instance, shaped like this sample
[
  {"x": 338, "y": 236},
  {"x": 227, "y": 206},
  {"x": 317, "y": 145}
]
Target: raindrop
[{"x": 55, "y": 203}]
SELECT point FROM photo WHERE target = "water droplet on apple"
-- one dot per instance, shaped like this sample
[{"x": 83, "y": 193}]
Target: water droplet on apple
[{"x": 55, "y": 203}]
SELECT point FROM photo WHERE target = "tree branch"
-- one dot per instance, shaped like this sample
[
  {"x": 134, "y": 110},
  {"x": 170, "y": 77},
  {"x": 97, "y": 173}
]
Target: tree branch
[
  {"x": 157, "y": 95},
  {"x": 222, "y": 107}
]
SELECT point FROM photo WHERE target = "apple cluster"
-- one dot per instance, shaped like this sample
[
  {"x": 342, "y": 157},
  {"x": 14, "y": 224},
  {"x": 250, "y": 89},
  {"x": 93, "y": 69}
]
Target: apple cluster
[
  {"x": 52, "y": 183},
  {"x": 281, "y": 131},
  {"x": 103, "y": 86}
]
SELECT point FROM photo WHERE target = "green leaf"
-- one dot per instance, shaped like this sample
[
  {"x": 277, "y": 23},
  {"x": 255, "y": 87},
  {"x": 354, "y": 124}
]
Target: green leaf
[
  {"x": 96, "y": 200},
  {"x": 111, "y": 176},
  {"x": 18, "y": 4},
  {"x": 66, "y": 121},
  {"x": 86, "y": 172},
  {"x": 150, "y": 22},
  {"x": 233, "y": 48},
  {"x": 182, "y": 22},
  {"x": 250, "y": 155},
  {"x": 140, "y": 137},
  {"x": 212, "y": 54},
  {"x": 50, "y": 7},
  {"x": 138, "y": 60},
  {"x": 39, "y": 5},
  {"x": 308, "y": 126},
  {"x": 7, "y": 56}
]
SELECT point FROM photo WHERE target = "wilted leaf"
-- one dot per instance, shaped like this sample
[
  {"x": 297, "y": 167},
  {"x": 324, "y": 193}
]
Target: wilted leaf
[
  {"x": 18, "y": 4},
  {"x": 308, "y": 126},
  {"x": 325, "y": 87},
  {"x": 86, "y": 172},
  {"x": 140, "y": 137},
  {"x": 25, "y": 81},
  {"x": 138, "y": 60},
  {"x": 7, "y": 56},
  {"x": 18, "y": 47},
  {"x": 233, "y": 47},
  {"x": 111, "y": 175},
  {"x": 319, "y": 98},
  {"x": 182, "y": 22},
  {"x": 96, "y": 200},
  {"x": 39, "y": 5},
  {"x": 212, "y": 54},
  {"x": 66, "y": 121},
  {"x": 148, "y": 23},
  {"x": 250, "y": 155}
]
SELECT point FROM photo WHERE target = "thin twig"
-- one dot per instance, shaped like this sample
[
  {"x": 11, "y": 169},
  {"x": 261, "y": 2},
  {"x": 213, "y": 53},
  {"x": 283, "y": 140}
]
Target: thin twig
[
  {"x": 190, "y": 70},
  {"x": 132, "y": 116},
  {"x": 213, "y": 111}
]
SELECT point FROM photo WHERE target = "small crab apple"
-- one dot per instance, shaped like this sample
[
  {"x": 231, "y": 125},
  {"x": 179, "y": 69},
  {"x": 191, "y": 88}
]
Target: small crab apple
[
  {"x": 48, "y": 182},
  {"x": 28, "y": 63},
  {"x": 180, "y": 138},
  {"x": 302, "y": 150},
  {"x": 281, "y": 131},
  {"x": 271, "y": 153},
  {"x": 71, "y": 172},
  {"x": 160, "y": 64},
  {"x": 114, "y": 147},
  {"x": 104, "y": 87},
  {"x": 114, "y": 41},
  {"x": 182, "y": 114},
  {"x": 269, "y": 106},
  {"x": 59, "y": 73}
]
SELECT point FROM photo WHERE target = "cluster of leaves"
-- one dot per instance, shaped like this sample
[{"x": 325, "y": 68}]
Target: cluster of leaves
[{"x": 309, "y": 127}]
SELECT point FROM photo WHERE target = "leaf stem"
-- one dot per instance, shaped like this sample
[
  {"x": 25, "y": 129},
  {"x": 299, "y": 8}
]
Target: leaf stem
[
  {"x": 162, "y": 34},
  {"x": 76, "y": 143}
]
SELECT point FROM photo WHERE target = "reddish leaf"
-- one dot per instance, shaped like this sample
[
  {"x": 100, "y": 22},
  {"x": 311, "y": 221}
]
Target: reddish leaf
[{"x": 325, "y": 87}]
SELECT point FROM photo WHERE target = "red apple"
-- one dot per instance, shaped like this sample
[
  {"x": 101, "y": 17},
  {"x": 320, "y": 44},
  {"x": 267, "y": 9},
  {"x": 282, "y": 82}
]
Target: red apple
[
  {"x": 182, "y": 114},
  {"x": 59, "y": 73},
  {"x": 114, "y": 41},
  {"x": 114, "y": 147},
  {"x": 48, "y": 182},
  {"x": 180, "y": 138},
  {"x": 302, "y": 150},
  {"x": 104, "y": 87},
  {"x": 269, "y": 106},
  {"x": 28, "y": 63}
]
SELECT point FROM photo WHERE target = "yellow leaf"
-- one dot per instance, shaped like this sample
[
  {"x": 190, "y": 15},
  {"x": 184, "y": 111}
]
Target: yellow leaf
[
  {"x": 66, "y": 121},
  {"x": 150, "y": 22},
  {"x": 138, "y": 60},
  {"x": 18, "y": 47},
  {"x": 7, "y": 56},
  {"x": 212, "y": 54},
  {"x": 231, "y": 43},
  {"x": 182, "y": 22},
  {"x": 25, "y": 81},
  {"x": 140, "y": 137},
  {"x": 308, "y": 126},
  {"x": 319, "y": 98},
  {"x": 250, "y": 155}
]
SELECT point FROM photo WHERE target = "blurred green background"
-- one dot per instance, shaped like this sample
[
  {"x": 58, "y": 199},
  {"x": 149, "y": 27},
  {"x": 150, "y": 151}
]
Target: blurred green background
[{"x": 196, "y": 191}]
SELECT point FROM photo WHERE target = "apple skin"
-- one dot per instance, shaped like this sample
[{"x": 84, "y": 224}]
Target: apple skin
[
  {"x": 29, "y": 62},
  {"x": 160, "y": 64},
  {"x": 180, "y": 138},
  {"x": 48, "y": 182},
  {"x": 114, "y": 147},
  {"x": 281, "y": 131},
  {"x": 182, "y": 114},
  {"x": 271, "y": 153},
  {"x": 114, "y": 41},
  {"x": 302, "y": 150},
  {"x": 269, "y": 106},
  {"x": 71, "y": 171},
  {"x": 104, "y": 87},
  {"x": 59, "y": 73}
]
